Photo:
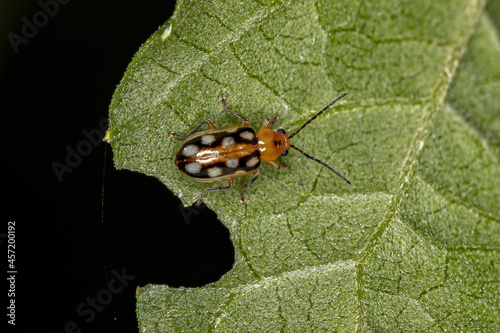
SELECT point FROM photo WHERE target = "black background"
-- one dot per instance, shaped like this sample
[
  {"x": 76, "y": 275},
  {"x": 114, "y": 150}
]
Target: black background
[{"x": 67, "y": 242}]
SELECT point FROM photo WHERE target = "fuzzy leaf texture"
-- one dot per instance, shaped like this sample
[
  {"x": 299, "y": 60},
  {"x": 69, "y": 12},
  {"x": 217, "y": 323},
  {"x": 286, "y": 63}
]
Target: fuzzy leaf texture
[{"x": 413, "y": 244}]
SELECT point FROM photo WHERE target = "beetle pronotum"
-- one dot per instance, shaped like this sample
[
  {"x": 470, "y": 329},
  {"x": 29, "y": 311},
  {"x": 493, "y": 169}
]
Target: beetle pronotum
[{"x": 235, "y": 151}]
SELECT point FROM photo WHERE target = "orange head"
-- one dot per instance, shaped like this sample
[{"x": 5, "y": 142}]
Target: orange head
[{"x": 272, "y": 144}]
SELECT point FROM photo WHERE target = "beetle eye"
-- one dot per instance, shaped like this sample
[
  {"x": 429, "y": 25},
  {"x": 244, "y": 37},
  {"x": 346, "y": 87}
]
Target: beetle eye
[
  {"x": 284, "y": 153},
  {"x": 281, "y": 131}
]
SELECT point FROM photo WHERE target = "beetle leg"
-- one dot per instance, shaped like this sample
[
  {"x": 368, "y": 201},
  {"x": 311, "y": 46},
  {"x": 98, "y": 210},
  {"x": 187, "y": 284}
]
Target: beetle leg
[
  {"x": 177, "y": 135},
  {"x": 264, "y": 124},
  {"x": 182, "y": 136},
  {"x": 274, "y": 164},
  {"x": 223, "y": 99},
  {"x": 256, "y": 173},
  {"x": 275, "y": 118},
  {"x": 216, "y": 188}
]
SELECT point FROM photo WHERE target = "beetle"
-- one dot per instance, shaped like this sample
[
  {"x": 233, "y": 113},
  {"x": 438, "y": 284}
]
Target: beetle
[{"x": 226, "y": 153}]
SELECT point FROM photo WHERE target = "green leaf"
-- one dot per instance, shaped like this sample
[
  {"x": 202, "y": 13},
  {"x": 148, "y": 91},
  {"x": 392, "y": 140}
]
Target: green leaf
[{"x": 413, "y": 244}]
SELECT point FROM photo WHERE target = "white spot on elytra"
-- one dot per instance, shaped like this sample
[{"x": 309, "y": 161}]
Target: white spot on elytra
[
  {"x": 214, "y": 172},
  {"x": 207, "y": 139},
  {"x": 252, "y": 162},
  {"x": 227, "y": 142},
  {"x": 247, "y": 135},
  {"x": 193, "y": 168},
  {"x": 232, "y": 162},
  {"x": 190, "y": 150}
]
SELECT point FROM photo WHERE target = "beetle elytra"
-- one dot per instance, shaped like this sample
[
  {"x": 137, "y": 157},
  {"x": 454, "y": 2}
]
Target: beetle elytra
[{"x": 235, "y": 151}]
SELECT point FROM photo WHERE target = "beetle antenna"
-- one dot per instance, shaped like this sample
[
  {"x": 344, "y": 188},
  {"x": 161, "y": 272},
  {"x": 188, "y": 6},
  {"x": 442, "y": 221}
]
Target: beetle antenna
[
  {"x": 316, "y": 116},
  {"x": 320, "y": 162}
]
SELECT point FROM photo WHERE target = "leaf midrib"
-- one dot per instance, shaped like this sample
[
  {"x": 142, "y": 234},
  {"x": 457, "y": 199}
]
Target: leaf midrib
[{"x": 407, "y": 168}]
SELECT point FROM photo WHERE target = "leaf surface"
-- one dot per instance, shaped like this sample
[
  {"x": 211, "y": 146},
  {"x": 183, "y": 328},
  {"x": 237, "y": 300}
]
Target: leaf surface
[{"x": 413, "y": 244}]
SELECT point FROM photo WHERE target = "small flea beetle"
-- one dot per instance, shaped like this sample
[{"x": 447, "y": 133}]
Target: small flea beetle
[{"x": 230, "y": 152}]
